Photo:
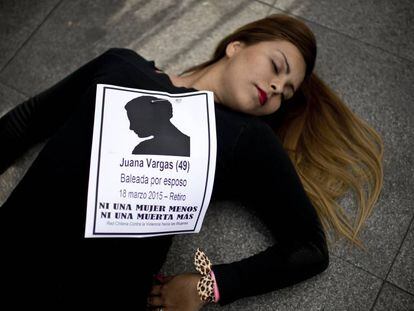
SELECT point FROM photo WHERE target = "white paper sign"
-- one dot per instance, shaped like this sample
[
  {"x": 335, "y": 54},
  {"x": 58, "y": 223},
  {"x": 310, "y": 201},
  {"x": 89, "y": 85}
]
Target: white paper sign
[{"x": 152, "y": 163}]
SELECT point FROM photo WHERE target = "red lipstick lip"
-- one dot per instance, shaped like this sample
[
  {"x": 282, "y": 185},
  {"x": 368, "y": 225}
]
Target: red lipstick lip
[{"x": 262, "y": 96}]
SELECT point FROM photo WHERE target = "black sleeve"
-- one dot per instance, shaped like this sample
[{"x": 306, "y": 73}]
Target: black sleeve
[
  {"x": 270, "y": 185},
  {"x": 40, "y": 116}
]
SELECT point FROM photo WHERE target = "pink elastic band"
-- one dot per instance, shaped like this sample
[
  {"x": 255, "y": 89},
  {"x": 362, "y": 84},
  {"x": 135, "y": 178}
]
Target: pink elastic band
[{"x": 216, "y": 290}]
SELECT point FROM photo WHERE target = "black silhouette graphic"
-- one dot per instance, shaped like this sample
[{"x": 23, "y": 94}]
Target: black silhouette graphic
[{"x": 150, "y": 116}]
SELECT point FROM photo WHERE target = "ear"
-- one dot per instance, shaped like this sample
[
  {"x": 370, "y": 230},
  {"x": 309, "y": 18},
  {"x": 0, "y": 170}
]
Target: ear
[{"x": 233, "y": 48}]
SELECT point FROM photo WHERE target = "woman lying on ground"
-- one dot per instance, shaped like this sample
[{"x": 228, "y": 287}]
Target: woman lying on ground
[{"x": 287, "y": 147}]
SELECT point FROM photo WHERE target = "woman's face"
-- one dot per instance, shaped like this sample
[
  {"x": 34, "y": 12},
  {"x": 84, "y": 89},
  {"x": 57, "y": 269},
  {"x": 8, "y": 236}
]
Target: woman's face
[{"x": 258, "y": 77}]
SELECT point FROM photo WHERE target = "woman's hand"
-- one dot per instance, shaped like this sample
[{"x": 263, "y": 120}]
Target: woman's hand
[{"x": 178, "y": 293}]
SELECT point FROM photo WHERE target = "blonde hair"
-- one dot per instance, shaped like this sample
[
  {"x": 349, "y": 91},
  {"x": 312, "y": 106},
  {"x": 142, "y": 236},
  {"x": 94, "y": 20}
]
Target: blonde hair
[{"x": 332, "y": 149}]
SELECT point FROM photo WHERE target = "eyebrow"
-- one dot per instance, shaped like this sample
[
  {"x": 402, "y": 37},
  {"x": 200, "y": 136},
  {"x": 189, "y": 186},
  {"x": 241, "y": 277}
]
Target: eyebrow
[
  {"x": 287, "y": 64},
  {"x": 287, "y": 70}
]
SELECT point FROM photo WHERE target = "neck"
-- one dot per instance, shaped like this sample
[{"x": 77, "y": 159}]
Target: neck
[{"x": 207, "y": 79}]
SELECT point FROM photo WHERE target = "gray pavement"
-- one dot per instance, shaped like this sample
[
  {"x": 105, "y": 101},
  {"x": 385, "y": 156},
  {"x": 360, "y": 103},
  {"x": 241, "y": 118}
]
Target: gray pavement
[{"x": 365, "y": 54}]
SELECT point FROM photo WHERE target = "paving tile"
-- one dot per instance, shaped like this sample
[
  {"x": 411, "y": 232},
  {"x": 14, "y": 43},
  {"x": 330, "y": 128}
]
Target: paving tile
[
  {"x": 402, "y": 271},
  {"x": 383, "y": 23},
  {"x": 79, "y": 30},
  {"x": 18, "y": 20},
  {"x": 393, "y": 298},
  {"x": 381, "y": 236},
  {"x": 231, "y": 232}
]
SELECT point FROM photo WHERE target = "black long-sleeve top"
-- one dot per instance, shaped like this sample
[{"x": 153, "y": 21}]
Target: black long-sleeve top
[{"x": 252, "y": 167}]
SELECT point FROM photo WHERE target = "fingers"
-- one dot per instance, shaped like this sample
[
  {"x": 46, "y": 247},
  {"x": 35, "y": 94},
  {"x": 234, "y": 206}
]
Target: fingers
[
  {"x": 156, "y": 290},
  {"x": 154, "y": 301}
]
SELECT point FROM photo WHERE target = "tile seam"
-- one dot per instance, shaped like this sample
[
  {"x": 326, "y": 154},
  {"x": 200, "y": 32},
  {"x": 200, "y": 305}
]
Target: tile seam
[
  {"x": 14, "y": 89},
  {"x": 358, "y": 267},
  {"x": 392, "y": 264},
  {"x": 399, "y": 249}
]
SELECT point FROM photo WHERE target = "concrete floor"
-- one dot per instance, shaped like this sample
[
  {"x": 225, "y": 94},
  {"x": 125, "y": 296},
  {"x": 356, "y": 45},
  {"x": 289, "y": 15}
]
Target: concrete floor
[{"x": 365, "y": 54}]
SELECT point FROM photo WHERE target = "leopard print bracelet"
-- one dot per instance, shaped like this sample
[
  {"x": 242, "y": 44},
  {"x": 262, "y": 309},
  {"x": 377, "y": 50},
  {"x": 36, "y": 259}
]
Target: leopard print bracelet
[{"x": 205, "y": 285}]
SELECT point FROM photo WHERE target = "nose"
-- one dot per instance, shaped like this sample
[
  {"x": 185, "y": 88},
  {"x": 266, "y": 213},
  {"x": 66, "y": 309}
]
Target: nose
[
  {"x": 276, "y": 86},
  {"x": 276, "y": 89}
]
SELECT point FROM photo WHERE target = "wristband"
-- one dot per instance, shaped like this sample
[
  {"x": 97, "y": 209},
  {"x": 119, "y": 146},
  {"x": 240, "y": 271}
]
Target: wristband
[
  {"x": 206, "y": 285},
  {"x": 216, "y": 290}
]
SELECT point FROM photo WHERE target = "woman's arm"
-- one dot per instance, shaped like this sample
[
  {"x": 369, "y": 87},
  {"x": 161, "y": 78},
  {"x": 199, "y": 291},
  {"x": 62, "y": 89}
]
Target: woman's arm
[
  {"x": 42, "y": 115},
  {"x": 267, "y": 182}
]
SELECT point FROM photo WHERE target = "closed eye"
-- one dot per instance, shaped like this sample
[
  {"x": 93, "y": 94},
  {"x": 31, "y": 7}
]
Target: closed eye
[{"x": 275, "y": 67}]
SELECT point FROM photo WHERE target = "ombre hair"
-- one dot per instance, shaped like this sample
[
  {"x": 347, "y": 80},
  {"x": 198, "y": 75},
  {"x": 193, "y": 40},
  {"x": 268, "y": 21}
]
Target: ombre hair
[{"x": 333, "y": 150}]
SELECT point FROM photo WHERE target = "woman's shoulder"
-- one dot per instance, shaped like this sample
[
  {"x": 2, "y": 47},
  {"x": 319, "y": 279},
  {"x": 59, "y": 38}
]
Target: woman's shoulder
[
  {"x": 231, "y": 118},
  {"x": 125, "y": 67},
  {"x": 123, "y": 53},
  {"x": 127, "y": 56}
]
